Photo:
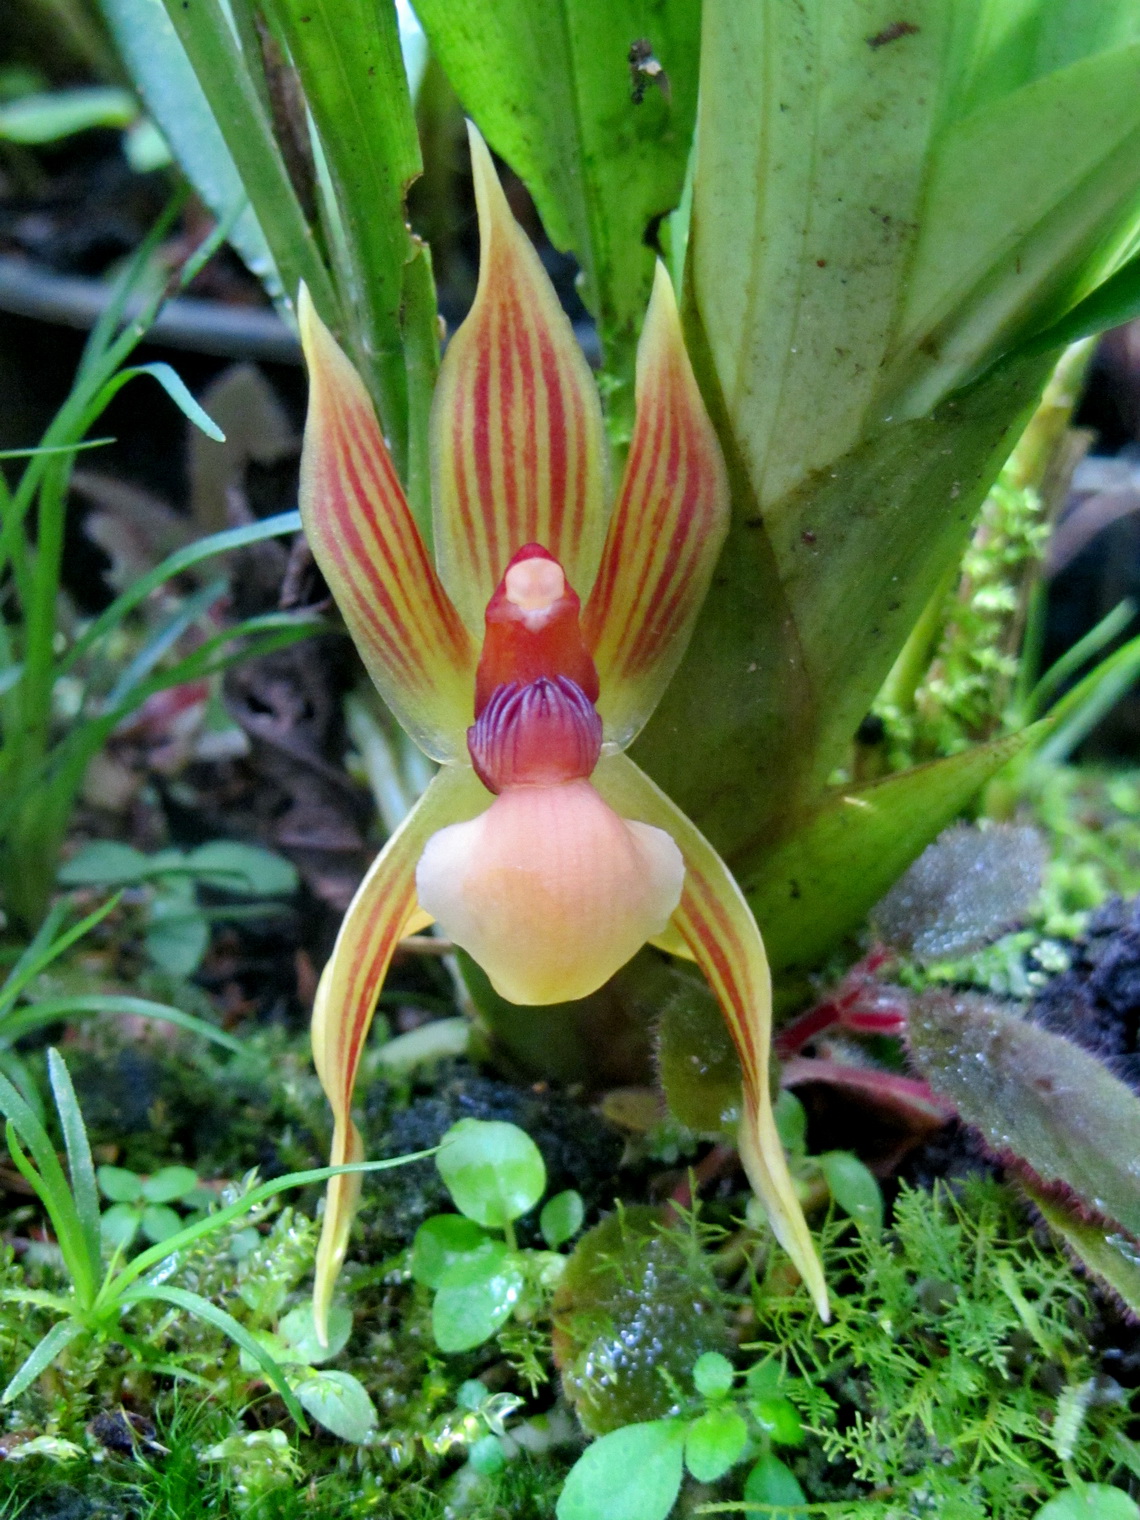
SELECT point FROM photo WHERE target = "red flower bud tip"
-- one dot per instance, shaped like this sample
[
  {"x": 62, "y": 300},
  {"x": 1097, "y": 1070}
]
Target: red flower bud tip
[
  {"x": 532, "y": 630},
  {"x": 535, "y": 735}
]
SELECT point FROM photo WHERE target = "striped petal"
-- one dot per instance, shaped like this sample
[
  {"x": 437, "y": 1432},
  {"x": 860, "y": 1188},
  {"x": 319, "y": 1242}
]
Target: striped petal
[
  {"x": 517, "y": 444},
  {"x": 717, "y": 924},
  {"x": 666, "y": 532},
  {"x": 364, "y": 538},
  {"x": 379, "y": 914}
]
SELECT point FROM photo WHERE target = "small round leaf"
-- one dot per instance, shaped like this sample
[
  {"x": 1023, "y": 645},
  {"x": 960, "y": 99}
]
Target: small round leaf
[
  {"x": 119, "y": 1225},
  {"x": 714, "y": 1443},
  {"x": 487, "y": 1455},
  {"x": 493, "y": 1170},
  {"x": 630, "y": 1474},
  {"x": 713, "y": 1375},
  {"x": 854, "y": 1188},
  {"x": 160, "y": 1222},
  {"x": 119, "y": 1185},
  {"x": 771, "y": 1482},
  {"x": 561, "y": 1218},
  {"x": 1093, "y": 1501},
  {"x": 169, "y": 1183},
  {"x": 780, "y": 1420},
  {"x": 300, "y": 1334},
  {"x": 763, "y": 1379},
  {"x": 340, "y": 1403},
  {"x": 475, "y": 1297},
  {"x": 440, "y": 1242}
]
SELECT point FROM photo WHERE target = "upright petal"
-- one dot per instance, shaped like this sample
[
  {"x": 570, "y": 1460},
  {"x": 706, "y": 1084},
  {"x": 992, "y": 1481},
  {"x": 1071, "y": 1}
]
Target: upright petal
[
  {"x": 350, "y": 984},
  {"x": 666, "y": 532},
  {"x": 718, "y": 926},
  {"x": 366, "y": 542},
  {"x": 518, "y": 448}
]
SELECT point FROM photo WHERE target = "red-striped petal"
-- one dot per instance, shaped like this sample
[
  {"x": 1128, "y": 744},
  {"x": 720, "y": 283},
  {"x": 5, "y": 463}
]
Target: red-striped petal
[
  {"x": 518, "y": 448},
  {"x": 380, "y": 913},
  {"x": 666, "y": 532},
  {"x": 717, "y": 924},
  {"x": 366, "y": 542}
]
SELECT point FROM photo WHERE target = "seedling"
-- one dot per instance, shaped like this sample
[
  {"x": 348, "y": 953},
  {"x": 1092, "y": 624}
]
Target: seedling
[
  {"x": 471, "y": 1260},
  {"x": 144, "y": 1203}
]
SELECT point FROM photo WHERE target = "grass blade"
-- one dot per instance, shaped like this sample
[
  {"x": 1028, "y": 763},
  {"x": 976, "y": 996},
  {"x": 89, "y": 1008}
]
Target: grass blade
[
  {"x": 80, "y": 1164},
  {"x": 41, "y": 1014},
  {"x": 48, "y": 948},
  {"x": 59, "y": 1336},
  {"x": 1071, "y": 661},
  {"x": 202, "y": 1308},
  {"x": 164, "y": 638}
]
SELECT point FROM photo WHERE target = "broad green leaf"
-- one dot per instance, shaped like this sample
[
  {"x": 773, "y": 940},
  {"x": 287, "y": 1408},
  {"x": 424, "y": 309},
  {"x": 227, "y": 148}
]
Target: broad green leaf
[
  {"x": 854, "y": 1188},
  {"x": 493, "y": 1170},
  {"x": 773, "y": 1482},
  {"x": 779, "y": 1419},
  {"x": 299, "y": 1332},
  {"x": 1033, "y": 1093},
  {"x": 176, "y": 938},
  {"x": 1023, "y": 195},
  {"x": 119, "y": 1225},
  {"x": 820, "y": 885},
  {"x": 160, "y": 1222},
  {"x": 548, "y": 83},
  {"x": 165, "y": 79},
  {"x": 104, "y": 863},
  {"x": 48, "y": 117},
  {"x": 119, "y": 1185},
  {"x": 348, "y": 55},
  {"x": 167, "y": 1184},
  {"x": 475, "y": 1296},
  {"x": 340, "y": 1403},
  {"x": 561, "y": 1218},
  {"x": 1092, "y": 1501},
  {"x": 714, "y": 1443},
  {"x": 713, "y": 1375},
  {"x": 243, "y": 868},
  {"x": 631, "y": 1474},
  {"x": 440, "y": 1242}
]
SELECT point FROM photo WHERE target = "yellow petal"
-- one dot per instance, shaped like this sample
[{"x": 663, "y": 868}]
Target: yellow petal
[
  {"x": 550, "y": 890},
  {"x": 377, "y": 917},
  {"x": 717, "y": 924},
  {"x": 517, "y": 442}
]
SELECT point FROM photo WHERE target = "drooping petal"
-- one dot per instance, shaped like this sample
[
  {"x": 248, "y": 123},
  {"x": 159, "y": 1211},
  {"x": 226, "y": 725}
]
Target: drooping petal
[
  {"x": 666, "y": 532},
  {"x": 718, "y": 926},
  {"x": 550, "y": 890},
  {"x": 378, "y": 916},
  {"x": 518, "y": 448},
  {"x": 362, "y": 534}
]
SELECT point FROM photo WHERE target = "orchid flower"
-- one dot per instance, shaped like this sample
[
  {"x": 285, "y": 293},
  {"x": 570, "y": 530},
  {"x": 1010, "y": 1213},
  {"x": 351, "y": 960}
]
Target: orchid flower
[{"x": 524, "y": 661}]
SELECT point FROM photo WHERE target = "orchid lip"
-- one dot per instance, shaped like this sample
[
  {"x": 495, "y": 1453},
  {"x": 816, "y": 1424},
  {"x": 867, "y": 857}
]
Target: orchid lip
[{"x": 535, "y": 735}]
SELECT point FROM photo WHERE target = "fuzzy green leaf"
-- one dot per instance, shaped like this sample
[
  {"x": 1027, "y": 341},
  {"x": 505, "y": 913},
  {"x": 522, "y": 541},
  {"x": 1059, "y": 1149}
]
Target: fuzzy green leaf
[{"x": 714, "y": 1443}]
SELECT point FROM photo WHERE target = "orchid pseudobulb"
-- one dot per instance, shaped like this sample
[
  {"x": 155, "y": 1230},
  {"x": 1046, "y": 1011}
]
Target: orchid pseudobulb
[{"x": 524, "y": 660}]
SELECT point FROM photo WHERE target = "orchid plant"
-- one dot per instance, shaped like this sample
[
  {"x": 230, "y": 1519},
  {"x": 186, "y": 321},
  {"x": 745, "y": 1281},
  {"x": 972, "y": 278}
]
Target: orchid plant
[{"x": 525, "y": 661}]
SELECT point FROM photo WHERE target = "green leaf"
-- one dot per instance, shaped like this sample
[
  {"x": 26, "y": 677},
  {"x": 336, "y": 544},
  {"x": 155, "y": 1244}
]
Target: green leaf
[
  {"x": 298, "y": 1330},
  {"x": 854, "y": 1188},
  {"x": 822, "y": 882},
  {"x": 348, "y": 55},
  {"x": 631, "y": 1474},
  {"x": 772, "y": 1482},
  {"x": 48, "y": 117},
  {"x": 1092, "y": 1501},
  {"x": 51, "y": 1186},
  {"x": 119, "y": 1185},
  {"x": 166, "y": 80},
  {"x": 1034, "y": 1093},
  {"x": 79, "y": 1163},
  {"x": 176, "y": 939},
  {"x": 174, "y": 386},
  {"x": 714, "y": 1443},
  {"x": 561, "y": 1218},
  {"x": 713, "y": 1375},
  {"x": 475, "y": 1296},
  {"x": 120, "y": 1224},
  {"x": 549, "y": 85},
  {"x": 167, "y": 1184},
  {"x": 160, "y": 1222},
  {"x": 340, "y": 1403},
  {"x": 243, "y": 868},
  {"x": 59, "y": 1336},
  {"x": 779, "y": 1419},
  {"x": 1108, "y": 1256},
  {"x": 104, "y": 863},
  {"x": 791, "y": 1123},
  {"x": 493, "y": 1170},
  {"x": 440, "y": 1242},
  {"x": 50, "y": 1011},
  {"x": 201, "y": 1308}
]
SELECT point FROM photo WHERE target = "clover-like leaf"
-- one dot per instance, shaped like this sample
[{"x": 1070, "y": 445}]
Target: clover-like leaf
[{"x": 493, "y": 1170}]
